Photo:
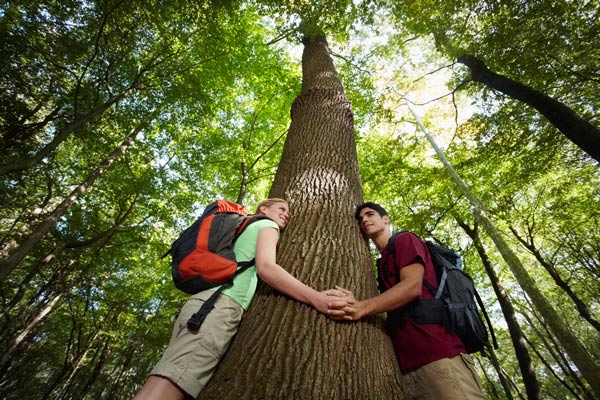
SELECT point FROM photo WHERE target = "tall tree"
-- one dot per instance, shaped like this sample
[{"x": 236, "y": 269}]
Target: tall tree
[
  {"x": 532, "y": 385},
  {"x": 538, "y": 45},
  {"x": 529, "y": 243},
  {"x": 14, "y": 258},
  {"x": 297, "y": 353},
  {"x": 578, "y": 130},
  {"x": 590, "y": 370}
]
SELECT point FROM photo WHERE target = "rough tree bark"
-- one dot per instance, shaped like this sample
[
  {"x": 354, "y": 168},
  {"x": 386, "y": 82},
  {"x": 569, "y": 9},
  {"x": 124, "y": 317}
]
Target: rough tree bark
[
  {"x": 585, "y": 135},
  {"x": 287, "y": 350}
]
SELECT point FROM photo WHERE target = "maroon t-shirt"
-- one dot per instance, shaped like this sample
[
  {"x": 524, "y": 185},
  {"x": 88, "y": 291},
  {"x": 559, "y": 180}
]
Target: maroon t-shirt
[{"x": 415, "y": 344}]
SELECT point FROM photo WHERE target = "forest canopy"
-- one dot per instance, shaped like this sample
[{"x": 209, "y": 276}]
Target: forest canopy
[{"x": 121, "y": 119}]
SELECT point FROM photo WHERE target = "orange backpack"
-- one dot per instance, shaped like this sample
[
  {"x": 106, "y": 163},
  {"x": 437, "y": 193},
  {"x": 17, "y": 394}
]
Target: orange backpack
[{"x": 202, "y": 257}]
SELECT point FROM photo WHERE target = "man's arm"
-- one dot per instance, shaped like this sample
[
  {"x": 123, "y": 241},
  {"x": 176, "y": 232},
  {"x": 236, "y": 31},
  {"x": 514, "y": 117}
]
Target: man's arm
[
  {"x": 405, "y": 291},
  {"x": 277, "y": 277}
]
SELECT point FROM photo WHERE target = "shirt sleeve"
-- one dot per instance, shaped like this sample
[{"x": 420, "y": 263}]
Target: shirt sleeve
[
  {"x": 267, "y": 223},
  {"x": 409, "y": 249}
]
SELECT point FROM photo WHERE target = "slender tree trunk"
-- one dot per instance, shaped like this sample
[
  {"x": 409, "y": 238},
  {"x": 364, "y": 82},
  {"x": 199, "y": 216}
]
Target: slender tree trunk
[
  {"x": 78, "y": 122},
  {"x": 551, "y": 370},
  {"x": 287, "y": 350},
  {"x": 54, "y": 380},
  {"x": 586, "y": 364},
  {"x": 123, "y": 367},
  {"x": 532, "y": 385},
  {"x": 570, "y": 379},
  {"x": 119, "y": 225},
  {"x": 81, "y": 363},
  {"x": 62, "y": 135},
  {"x": 89, "y": 383},
  {"x": 504, "y": 381},
  {"x": 582, "y": 359},
  {"x": 16, "y": 256},
  {"x": 19, "y": 132},
  {"x": 10, "y": 354},
  {"x": 585, "y": 135},
  {"x": 246, "y": 170},
  {"x": 9, "y": 305},
  {"x": 582, "y": 308}
]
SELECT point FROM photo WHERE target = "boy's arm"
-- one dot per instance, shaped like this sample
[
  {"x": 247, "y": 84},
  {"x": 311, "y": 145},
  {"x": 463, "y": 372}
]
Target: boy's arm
[
  {"x": 277, "y": 277},
  {"x": 405, "y": 291}
]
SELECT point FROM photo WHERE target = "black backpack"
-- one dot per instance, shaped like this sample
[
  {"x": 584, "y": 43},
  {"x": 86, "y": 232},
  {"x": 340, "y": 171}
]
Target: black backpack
[{"x": 453, "y": 305}]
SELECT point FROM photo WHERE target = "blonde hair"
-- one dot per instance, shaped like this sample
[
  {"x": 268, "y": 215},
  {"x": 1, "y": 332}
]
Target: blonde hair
[{"x": 269, "y": 202}]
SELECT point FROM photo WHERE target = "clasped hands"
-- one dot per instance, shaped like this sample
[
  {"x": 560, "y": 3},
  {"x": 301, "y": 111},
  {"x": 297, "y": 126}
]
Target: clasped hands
[{"x": 342, "y": 305}]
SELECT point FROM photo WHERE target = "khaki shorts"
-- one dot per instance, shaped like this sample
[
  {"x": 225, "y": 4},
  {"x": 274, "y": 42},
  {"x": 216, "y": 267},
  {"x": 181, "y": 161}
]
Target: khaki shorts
[
  {"x": 191, "y": 358},
  {"x": 448, "y": 378}
]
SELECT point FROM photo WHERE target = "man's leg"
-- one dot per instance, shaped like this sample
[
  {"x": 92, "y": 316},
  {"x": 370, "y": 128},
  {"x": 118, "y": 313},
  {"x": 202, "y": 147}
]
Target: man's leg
[{"x": 448, "y": 379}]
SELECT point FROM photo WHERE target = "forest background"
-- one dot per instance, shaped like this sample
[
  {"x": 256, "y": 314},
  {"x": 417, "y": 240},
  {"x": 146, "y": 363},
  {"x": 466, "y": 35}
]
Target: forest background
[{"x": 121, "y": 119}]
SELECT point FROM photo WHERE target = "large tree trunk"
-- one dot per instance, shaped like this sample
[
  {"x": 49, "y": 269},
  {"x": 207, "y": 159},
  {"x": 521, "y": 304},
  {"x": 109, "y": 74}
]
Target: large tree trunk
[
  {"x": 285, "y": 349},
  {"x": 576, "y": 129}
]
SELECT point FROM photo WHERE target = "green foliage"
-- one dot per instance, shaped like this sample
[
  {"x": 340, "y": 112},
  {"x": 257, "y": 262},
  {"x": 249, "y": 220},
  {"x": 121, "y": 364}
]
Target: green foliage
[
  {"x": 211, "y": 91},
  {"x": 533, "y": 181},
  {"x": 207, "y": 94},
  {"x": 310, "y": 19}
]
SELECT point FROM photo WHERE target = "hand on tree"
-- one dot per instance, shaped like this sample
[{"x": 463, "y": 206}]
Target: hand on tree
[
  {"x": 323, "y": 299},
  {"x": 348, "y": 309}
]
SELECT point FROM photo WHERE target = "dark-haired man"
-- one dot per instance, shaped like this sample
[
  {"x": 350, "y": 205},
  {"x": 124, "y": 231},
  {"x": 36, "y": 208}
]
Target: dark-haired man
[{"x": 433, "y": 360}]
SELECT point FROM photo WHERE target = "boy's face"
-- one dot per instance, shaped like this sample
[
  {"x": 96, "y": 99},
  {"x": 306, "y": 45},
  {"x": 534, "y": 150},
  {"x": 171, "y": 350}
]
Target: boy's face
[{"x": 371, "y": 222}]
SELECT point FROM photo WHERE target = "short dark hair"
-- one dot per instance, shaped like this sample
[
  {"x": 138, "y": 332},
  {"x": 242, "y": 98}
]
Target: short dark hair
[{"x": 380, "y": 210}]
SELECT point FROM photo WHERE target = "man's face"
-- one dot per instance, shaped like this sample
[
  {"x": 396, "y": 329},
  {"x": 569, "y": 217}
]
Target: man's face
[{"x": 371, "y": 222}]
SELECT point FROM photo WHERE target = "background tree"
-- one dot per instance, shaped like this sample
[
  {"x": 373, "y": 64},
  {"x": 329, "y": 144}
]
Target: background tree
[
  {"x": 107, "y": 246},
  {"x": 89, "y": 309},
  {"x": 578, "y": 130},
  {"x": 573, "y": 346},
  {"x": 544, "y": 58}
]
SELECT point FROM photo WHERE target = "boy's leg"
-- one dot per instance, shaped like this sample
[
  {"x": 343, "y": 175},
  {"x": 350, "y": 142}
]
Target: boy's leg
[{"x": 449, "y": 379}]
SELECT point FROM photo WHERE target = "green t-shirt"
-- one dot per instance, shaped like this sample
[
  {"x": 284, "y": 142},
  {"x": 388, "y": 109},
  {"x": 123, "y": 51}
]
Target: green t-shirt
[{"x": 244, "y": 284}]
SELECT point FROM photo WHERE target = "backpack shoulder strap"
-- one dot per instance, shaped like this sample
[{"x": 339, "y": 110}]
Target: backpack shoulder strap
[
  {"x": 392, "y": 249},
  {"x": 240, "y": 229},
  {"x": 247, "y": 221},
  {"x": 390, "y": 245}
]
